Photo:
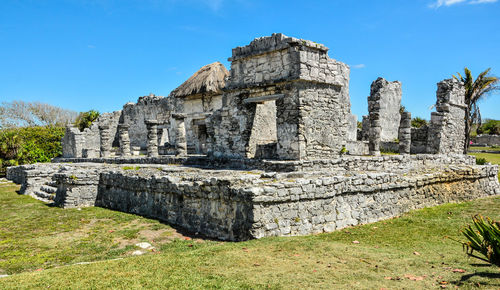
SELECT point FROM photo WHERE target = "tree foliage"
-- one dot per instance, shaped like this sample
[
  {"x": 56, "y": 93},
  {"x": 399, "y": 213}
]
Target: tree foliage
[
  {"x": 491, "y": 127},
  {"x": 29, "y": 145},
  {"x": 29, "y": 114},
  {"x": 475, "y": 89},
  {"x": 85, "y": 119},
  {"x": 418, "y": 122}
]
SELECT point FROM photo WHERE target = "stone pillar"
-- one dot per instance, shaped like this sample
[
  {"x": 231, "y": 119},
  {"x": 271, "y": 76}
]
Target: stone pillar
[
  {"x": 447, "y": 127},
  {"x": 365, "y": 128},
  {"x": 180, "y": 134},
  {"x": 405, "y": 133},
  {"x": 374, "y": 135},
  {"x": 124, "y": 139},
  {"x": 387, "y": 97},
  {"x": 106, "y": 140},
  {"x": 152, "y": 127}
]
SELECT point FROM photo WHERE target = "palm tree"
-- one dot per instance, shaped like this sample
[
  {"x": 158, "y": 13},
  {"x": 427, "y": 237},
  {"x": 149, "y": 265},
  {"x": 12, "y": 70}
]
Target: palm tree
[{"x": 474, "y": 91}]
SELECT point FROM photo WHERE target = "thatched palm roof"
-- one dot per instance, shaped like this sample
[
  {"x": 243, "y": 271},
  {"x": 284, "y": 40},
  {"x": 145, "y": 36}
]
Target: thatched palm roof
[{"x": 209, "y": 79}]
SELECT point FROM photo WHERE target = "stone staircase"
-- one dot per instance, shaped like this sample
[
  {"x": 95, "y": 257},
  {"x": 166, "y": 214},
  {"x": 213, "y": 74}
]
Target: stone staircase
[{"x": 46, "y": 192}]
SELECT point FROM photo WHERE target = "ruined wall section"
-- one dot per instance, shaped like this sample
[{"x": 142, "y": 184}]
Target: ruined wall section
[
  {"x": 447, "y": 127},
  {"x": 76, "y": 144},
  {"x": 385, "y": 98},
  {"x": 310, "y": 90},
  {"x": 147, "y": 108}
]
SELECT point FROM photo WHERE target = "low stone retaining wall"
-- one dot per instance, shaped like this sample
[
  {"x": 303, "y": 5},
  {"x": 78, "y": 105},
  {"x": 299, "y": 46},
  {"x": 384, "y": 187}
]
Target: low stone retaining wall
[
  {"x": 240, "y": 206},
  {"x": 346, "y": 162},
  {"x": 489, "y": 140}
]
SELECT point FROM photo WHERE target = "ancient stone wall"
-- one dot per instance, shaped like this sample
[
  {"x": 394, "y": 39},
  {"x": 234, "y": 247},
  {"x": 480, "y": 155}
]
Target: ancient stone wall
[
  {"x": 490, "y": 140},
  {"x": 76, "y": 144},
  {"x": 419, "y": 140},
  {"x": 447, "y": 127},
  {"x": 147, "y": 108},
  {"x": 240, "y": 206}
]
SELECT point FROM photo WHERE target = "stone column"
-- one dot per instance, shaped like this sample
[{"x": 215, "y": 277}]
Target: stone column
[
  {"x": 180, "y": 134},
  {"x": 124, "y": 139},
  {"x": 446, "y": 130},
  {"x": 374, "y": 135},
  {"x": 152, "y": 127},
  {"x": 405, "y": 133},
  {"x": 106, "y": 140}
]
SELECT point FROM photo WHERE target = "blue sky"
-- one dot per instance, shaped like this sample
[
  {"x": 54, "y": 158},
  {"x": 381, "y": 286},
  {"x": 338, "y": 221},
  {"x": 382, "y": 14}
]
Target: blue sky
[{"x": 100, "y": 54}]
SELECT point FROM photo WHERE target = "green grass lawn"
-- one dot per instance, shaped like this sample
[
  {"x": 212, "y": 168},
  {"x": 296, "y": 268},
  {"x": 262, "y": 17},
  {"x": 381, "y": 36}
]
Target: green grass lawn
[
  {"x": 39, "y": 246},
  {"x": 496, "y": 148}
]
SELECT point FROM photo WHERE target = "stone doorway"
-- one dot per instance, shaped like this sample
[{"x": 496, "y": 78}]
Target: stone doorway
[{"x": 263, "y": 136}]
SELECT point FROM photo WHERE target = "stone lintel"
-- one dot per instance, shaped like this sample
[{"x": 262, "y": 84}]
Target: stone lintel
[
  {"x": 179, "y": 116},
  {"x": 263, "y": 99},
  {"x": 151, "y": 122}
]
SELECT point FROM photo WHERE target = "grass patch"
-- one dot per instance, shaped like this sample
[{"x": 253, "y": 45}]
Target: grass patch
[
  {"x": 407, "y": 252},
  {"x": 493, "y": 148},
  {"x": 36, "y": 236}
]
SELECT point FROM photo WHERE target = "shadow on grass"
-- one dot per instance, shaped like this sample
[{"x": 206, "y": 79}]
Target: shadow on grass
[{"x": 495, "y": 278}]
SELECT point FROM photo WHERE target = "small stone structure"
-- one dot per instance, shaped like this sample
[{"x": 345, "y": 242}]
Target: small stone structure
[{"x": 267, "y": 149}]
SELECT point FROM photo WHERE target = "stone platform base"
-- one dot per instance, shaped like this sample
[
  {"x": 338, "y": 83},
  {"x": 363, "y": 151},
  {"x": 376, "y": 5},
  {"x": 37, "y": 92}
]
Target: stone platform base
[{"x": 300, "y": 198}]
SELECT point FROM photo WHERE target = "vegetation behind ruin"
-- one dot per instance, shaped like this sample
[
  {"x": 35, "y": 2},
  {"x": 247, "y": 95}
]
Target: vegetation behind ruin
[{"x": 29, "y": 145}]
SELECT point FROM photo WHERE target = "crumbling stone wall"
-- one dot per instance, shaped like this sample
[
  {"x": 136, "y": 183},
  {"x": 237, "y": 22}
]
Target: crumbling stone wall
[
  {"x": 76, "y": 144},
  {"x": 447, "y": 127}
]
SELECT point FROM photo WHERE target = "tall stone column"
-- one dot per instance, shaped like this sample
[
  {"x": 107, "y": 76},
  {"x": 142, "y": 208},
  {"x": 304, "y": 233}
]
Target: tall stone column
[
  {"x": 124, "y": 139},
  {"x": 447, "y": 127},
  {"x": 106, "y": 140},
  {"x": 180, "y": 134},
  {"x": 152, "y": 127},
  {"x": 405, "y": 133},
  {"x": 374, "y": 135}
]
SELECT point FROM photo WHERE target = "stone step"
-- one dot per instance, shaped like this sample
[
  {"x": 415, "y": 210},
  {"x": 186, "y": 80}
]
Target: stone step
[
  {"x": 48, "y": 189},
  {"x": 43, "y": 196}
]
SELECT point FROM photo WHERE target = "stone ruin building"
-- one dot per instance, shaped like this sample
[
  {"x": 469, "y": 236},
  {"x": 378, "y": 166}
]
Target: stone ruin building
[{"x": 269, "y": 148}]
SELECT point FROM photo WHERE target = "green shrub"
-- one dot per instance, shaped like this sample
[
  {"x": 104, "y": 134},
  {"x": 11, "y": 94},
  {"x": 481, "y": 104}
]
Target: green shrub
[
  {"x": 418, "y": 122},
  {"x": 29, "y": 145},
  {"x": 491, "y": 127},
  {"x": 481, "y": 161},
  {"x": 483, "y": 237},
  {"x": 85, "y": 119}
]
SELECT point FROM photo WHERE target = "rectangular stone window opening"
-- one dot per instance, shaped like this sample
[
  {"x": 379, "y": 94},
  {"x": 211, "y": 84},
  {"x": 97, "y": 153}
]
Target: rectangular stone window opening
[{"x": 263, "y": 137}]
